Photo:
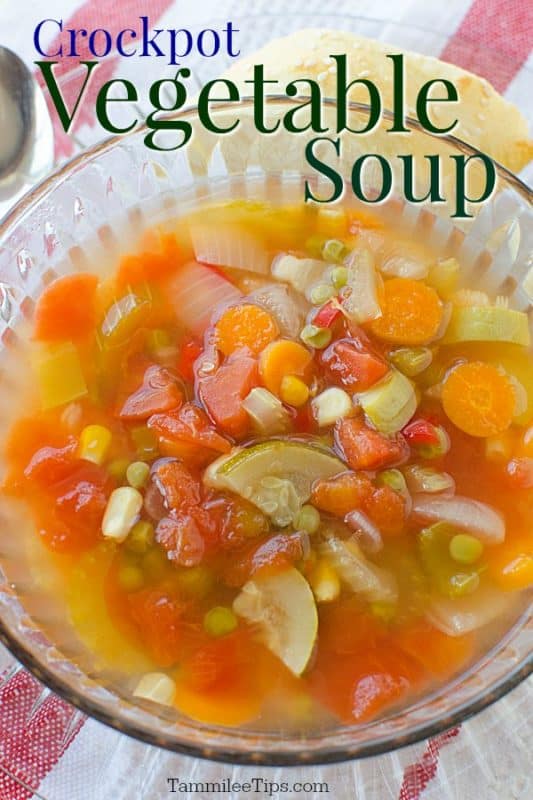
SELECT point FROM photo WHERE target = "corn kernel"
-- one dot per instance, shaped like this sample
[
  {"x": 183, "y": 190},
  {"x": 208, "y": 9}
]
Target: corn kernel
[
  {"x": 95, "y": 441},
  {"x": 294, "y": 391},
  {"x": 220, "y": 621},
  {"x": 330, "y": 405},
  {"x": 324, "y": 582},
  {"x": 157, "y": 687},
  {"x": 121, "y": 513}
]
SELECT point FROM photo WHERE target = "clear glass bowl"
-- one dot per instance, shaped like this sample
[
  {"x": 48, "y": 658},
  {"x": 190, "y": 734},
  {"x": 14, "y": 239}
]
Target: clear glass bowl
[{"x": 85, "y": 210}]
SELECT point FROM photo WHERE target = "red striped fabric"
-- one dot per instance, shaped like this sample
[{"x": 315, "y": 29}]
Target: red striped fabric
[
  {"x": 493, "y": 40},
  {"x": 34, "y": 734}
]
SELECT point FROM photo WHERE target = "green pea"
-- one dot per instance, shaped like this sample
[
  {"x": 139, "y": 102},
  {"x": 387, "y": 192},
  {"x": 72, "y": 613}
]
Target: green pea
[
  {"x": 137, "y": 474},
  {"x": 155, "y": 563},
  {"x": 196, "y": 581},
  {"x": 131, "y": 578},
  {"x": 465, "y": 549},
  {"x": 307, "y": 519},
  {"x": 220, "y": 621},
  {"x": 316, "y": 337},
  {"x": 141, "y": 537}
]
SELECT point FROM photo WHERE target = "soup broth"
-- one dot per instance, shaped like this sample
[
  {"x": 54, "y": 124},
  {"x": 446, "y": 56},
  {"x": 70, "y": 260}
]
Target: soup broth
[{"x": 281, "y": 461}]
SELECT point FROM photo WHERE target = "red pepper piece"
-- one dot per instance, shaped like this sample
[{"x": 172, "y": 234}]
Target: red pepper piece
[
  {"x": 327, "y": 315},
  {"x": 420, "y": 431}
]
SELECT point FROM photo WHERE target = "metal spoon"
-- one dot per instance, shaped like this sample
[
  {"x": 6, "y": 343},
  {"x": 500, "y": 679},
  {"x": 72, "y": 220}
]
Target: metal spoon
[{"x": 26, "y": 133}]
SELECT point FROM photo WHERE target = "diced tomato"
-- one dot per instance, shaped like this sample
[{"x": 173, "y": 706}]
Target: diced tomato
[
  {"x": 439, "y": 654},
  {"x": 357, "y": 687},
  {"x": 519, "y": 473},
  {"x": 159, "y": 619},
  {"x": 364, "y": 448},
  {"x": 346, "y": 628},
  {"x": 421, "y": 431},
  {"x": 387, "y": 510},
  {"x": 350, "y": 363},
  {"x": 69, "y": 512},
  {"x": 327, "y": 315},
  {"x": 222, "y": 394},
  {"x": 180, "y": 536},
  {"x": 237, "y": 521},
  {"x": 271, "y": 554},
  {"x": 188, "y": 434},
  {"x": 343, "y": 493},
  {"x": 66, "y": 308},
  {"x": 303, "y": 419},
  {"x": 159, "y": 392},
  {"x": 180, "y": 489},
  {"x": 51, "y": 464},
  {"x": 189, "y": 352},
  {"x": 220, "y": 664}
]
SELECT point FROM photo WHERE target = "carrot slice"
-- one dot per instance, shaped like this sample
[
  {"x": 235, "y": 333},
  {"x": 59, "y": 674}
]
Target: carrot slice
[
  {"x": 479, "y": 399},
  {"x": 281, "y": 358},
  {"x": 66, "y": 309},
  {"x": 411, "y": 313},
  {"x": 245, "y": 325}
]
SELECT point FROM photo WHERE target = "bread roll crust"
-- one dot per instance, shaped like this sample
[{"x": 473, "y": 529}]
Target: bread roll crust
[{"x": 486, "y": 120}]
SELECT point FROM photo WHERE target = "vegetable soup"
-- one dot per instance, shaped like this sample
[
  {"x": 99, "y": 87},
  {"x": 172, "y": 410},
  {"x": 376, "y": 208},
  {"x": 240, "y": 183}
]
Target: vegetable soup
[{"x": 282, "y": 460}]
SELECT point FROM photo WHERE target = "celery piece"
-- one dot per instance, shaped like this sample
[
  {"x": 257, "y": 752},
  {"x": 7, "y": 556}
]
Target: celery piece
[
  {"x": 59, "y": 375},
  {"x": 487, "y": 324},
  {"x": 389, "y": 404},
  {"x": 124, "y": 317}
]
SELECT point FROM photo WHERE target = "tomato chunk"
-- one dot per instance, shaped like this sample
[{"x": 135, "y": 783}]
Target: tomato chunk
[
  {"x": 188, "y": 433},
  {"x": 387, "y": 510},
  {"x": 189, "y": 352},
  {"x": 159, "y": 619},
  {"x": 181, "y": 537},
  {"x": 273, "y": 554},
  {"x": 421, "y": 431},
  {"x": 159, "y": 392},
  {"x": 179, "y": 488},
  {"x": 343, "y": 493},
  {"x": 364, "y": 448},
  {"x": 66, "y": 308},
  {"x": 350, "y": 363},
  {"x": 223, "y": 393}
]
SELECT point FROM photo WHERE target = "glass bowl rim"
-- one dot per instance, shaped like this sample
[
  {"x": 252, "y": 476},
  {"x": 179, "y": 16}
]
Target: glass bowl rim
[{"x": 328, "y": 754}]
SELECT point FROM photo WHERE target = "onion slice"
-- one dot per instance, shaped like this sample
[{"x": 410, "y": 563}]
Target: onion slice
[
  {"x": 196, "y": 291},
  {"x": 357, "y": 573},
  {"x": 460, "y": 615},
  {"x": 470, "y": 515},
  {"x": 278, "y": 299},
  {"x": 360, "y": 296},
  {"x": 229, "y": 246},
  {"x": 366, "y": 534}
]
